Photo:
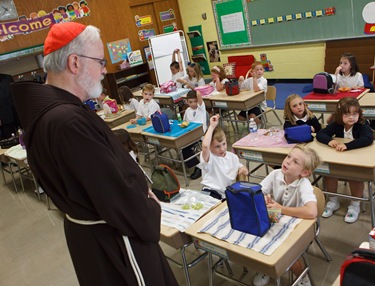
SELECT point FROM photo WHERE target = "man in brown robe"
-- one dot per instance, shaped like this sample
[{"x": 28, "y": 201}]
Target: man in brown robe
[{"x": 112, "y": 223}]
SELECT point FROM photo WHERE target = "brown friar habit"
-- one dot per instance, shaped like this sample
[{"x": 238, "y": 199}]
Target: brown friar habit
[{"x": 87, "y": 173}]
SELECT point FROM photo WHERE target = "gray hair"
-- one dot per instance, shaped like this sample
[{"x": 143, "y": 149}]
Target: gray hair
[{"x": 56, "y": 61}]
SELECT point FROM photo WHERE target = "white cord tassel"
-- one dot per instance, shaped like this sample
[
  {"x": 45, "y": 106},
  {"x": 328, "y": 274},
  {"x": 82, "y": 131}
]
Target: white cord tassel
[{"x": 129, "y": 250}]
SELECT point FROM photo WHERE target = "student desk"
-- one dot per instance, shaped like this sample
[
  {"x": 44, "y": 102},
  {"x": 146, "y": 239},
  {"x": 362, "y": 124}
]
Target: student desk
[
  {"x": 192, "y": 134},
  {"x": 174, "y": 221},
  {"x": 120, "y": 118},
  {"x": 273, "y": 265},
  {"x": 136, "y": 132},
  {"x": 318, "y": 102},
  {"x": 245, "y": 100},
  {"x": 367, "y": 103},
  {"x": 168, "y": 99},
  {"x": 354, "y": 164}
]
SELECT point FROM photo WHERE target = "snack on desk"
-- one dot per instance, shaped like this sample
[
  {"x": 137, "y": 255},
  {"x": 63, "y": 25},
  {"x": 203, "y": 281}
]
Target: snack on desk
[{"x": 343, "y": 89}]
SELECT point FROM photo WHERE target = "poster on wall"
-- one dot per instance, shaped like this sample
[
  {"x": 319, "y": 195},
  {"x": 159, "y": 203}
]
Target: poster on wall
[
  {"x": 167, "y": 15},
  {"x": 168, "y": 28},
  {"x": 148, "y": 57},
  {"x": 41, "y": 20},
  {"x": 213, "y": 51},
  {"x": 145, "y": 34},
  {"x": 118, "y": 50},
  {"x": 135, "y": 58},
  {"x": 141, "y": 21}
]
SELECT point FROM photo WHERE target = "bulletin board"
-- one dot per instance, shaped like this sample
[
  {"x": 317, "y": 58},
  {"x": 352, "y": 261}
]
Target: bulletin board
[
  {"x": 276, "y": 22},
  {"x": 162, "y": 47},
  {"x": 232, "y": 23}
]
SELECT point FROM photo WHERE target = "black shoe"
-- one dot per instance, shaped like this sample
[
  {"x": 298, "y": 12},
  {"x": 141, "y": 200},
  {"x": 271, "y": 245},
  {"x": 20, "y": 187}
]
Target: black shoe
[{"x": 196, "y": 174}]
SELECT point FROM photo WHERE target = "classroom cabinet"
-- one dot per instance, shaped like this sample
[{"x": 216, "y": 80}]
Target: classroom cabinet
[{"x": 132, "y": 77}]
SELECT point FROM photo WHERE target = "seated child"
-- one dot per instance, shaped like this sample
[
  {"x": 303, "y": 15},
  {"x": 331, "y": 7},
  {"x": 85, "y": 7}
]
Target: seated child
[
  {"x": 348, "y": 122},
  {"x": 194, "y": 77},
  {"x": 176, "y": 67},
  {"x": 256, "y": 83},
  {"x": 127, "y": 141},
  {"x": 196, "y": 112},
  {"x": 218, "y": 78},
  {"x": 147, "y": 105},
  {"x": 219, "y": 166},
  {"x": 289, "y": 190},
  {"x": 128, "y": 99},
  {"x": 297, "y": 113},
  {"x": 102, "y": 98}
]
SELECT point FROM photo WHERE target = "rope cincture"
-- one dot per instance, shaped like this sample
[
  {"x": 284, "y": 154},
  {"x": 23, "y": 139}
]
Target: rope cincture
[{"x": 129, "y": 250}]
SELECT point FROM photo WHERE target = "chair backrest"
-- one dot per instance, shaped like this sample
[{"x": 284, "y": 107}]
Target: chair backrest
[
  {"x": 271, "y": 93},
  {"x": 321, "y": 200}
]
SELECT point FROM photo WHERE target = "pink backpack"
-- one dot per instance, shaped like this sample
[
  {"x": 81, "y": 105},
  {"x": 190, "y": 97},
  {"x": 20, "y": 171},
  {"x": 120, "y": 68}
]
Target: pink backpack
[{"x": 168, "y": 87}]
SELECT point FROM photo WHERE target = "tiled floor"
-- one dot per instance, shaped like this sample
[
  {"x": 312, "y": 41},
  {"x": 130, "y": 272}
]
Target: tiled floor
[{"x": 33, "y": 250}]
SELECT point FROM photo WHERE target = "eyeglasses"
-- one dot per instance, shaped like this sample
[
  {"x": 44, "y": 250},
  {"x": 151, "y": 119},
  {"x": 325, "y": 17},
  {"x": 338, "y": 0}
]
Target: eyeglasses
[
  {"x": 354, "y": 114},
  {"x": 191, "y": 64},
  {"x": 102, "y": 62}
]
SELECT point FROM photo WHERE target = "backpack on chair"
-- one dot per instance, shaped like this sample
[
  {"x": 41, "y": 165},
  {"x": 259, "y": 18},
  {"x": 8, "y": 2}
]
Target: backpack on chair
[{"x": 165, "y": 184}]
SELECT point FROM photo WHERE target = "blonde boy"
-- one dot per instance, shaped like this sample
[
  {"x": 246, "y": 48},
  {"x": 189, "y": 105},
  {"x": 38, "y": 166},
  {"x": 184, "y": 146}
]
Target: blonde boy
[
  {"x": 289, "y": 190},
  {"x": 219, "y": 166},
  {"x": 256, "y": 83},
  {"x": 147, "y": 105}
]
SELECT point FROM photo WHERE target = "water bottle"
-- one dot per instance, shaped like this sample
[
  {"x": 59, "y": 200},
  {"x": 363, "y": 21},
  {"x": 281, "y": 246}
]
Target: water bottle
[
  {"x": 253, "y": 129},
  {"x": 20, "y": 138},
  {"x": 179, "y": 118}
]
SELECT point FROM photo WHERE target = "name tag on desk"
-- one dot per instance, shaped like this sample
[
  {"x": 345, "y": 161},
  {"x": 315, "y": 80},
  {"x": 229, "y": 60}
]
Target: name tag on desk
[
  {"x": 152, "y": 140},
  {"x": 220, "y": 104},
  {"x": 368, "y": 112},
  {"x": 323, "y": 168},
  {"x": 317, "y": 106},
  {"x": 211, "y": 248},
  {"x": 251, "y": 155}
]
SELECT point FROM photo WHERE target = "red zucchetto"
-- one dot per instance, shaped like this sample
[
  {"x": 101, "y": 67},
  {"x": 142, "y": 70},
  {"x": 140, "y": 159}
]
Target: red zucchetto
[{"x": 60, "y": 35}]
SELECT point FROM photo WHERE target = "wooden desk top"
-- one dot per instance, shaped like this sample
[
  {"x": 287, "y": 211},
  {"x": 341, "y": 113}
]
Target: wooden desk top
[
  {"x": 241, "y": 97},
  {"x": 119, "y": 115},
  {"x": 276, "y": 263},
  {"x": 354, "y": 158},
  {"x": 174, "y": 142},
  {"x": 368, "y": 100}
]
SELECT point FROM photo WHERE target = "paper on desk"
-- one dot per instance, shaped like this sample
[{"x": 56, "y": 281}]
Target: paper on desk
[
  {"x": 220, "y": 228},
  {"x": 174, "y": 216},
  {"x": 16, "y": 152}
]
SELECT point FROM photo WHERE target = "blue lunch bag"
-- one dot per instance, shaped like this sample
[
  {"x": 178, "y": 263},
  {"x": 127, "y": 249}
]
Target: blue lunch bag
[
  {"x": 298, "y": 134},
  {"x": 160, "y": 122},
  {"x": 247, "y": 208}
]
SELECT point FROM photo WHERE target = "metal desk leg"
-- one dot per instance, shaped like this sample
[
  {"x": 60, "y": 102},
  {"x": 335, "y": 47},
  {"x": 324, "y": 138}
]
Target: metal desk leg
[
  {"x": 371, "y": 201},
  {"x": 210, "y": 270},
  {"x": 183, "y": 165}
]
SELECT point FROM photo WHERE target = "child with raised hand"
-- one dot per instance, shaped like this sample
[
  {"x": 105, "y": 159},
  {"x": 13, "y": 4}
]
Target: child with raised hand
[
  {"x": 347, "y": 73},
  {"x": 348, "y": 122},
  {"x": 194, "y": 77},
  {"x": 127, "y": 141},
  {"x": 147, "y": 105},
  {"x": 289, "y": 190},
  {"x": 176, "y": 67},
  {"x": 297, "y": 113},
  {"x": 218, "y": 78},
  {"x": 219, "y": 166},
  {"x": 196, "y": 112},
  {"x": 256, "y": 82},
  {"x": 128, "y": 99}
]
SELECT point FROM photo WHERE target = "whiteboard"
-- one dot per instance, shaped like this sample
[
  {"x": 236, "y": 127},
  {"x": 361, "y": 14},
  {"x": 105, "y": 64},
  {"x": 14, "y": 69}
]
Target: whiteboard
[{"x": 162, "y": 47}]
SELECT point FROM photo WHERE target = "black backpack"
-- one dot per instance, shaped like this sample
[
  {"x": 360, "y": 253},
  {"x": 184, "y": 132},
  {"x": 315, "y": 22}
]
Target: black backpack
[
  {"x": 165, "y": 184},
  {"x": 359, "y": 268}
]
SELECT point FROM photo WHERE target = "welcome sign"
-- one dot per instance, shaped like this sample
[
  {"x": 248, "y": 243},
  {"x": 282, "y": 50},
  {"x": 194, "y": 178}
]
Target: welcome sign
[{"x": 42, "y": 20}]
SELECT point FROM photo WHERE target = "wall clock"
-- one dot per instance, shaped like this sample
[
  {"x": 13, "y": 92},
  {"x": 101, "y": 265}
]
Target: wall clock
[{"x": 8, "y": 10}]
